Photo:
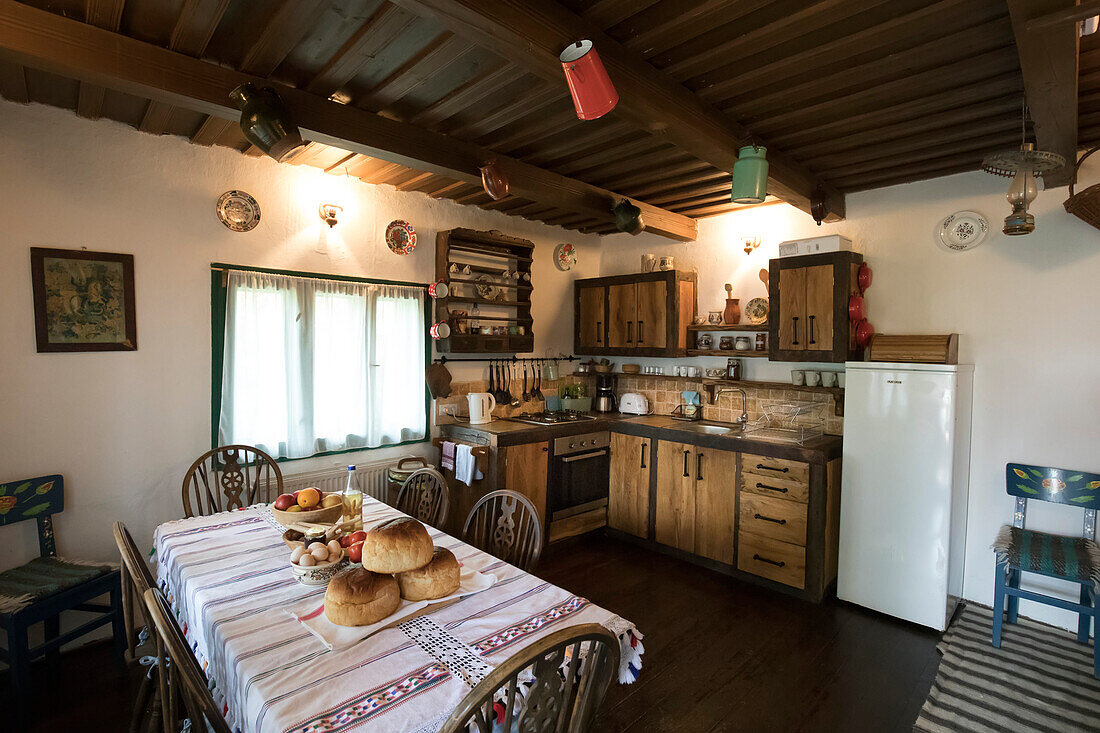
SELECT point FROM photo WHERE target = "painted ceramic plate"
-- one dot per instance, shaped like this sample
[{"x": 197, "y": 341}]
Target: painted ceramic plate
[
  {"x": 400, "y": 237},
  {"x": 757, "y": 311},
  {"x": 565, "y": 256},
  {"x": 485, "y": 287},
  {"x": 238, "y": 211},
  {"x": 962, "y": 230}
]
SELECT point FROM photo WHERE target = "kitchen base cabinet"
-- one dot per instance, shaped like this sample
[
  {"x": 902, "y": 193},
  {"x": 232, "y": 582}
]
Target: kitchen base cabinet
[
  {"x": 715, "y": 503},
  {"x": 674, "y": 523},
  {"x": 769, "y": 558},
  {"x": 524, "y": 470},
  {"x": 628, "y": 494}
]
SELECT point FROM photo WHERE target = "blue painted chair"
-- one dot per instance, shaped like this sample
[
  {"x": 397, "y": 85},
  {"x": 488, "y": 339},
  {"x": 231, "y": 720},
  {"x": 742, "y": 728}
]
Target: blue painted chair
[
  {"x": 1021, "y": 550},
  {"x": 41, "y": 589}
]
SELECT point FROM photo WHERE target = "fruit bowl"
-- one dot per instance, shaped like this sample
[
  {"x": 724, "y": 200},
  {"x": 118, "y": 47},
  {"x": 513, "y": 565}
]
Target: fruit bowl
[
  {"x": 321, "y": 573},
  {"x": 327, "y": 515}
]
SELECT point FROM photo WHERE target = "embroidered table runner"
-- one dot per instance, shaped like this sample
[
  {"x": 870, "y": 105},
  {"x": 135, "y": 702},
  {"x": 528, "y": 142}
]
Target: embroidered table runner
[{"x": 228, "y": 578}]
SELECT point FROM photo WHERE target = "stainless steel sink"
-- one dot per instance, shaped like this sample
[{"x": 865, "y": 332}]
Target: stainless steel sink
[{"x": 706, "y": 428}]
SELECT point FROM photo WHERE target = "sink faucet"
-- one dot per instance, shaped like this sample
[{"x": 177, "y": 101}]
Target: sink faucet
[{"x": 716, "y": 392}]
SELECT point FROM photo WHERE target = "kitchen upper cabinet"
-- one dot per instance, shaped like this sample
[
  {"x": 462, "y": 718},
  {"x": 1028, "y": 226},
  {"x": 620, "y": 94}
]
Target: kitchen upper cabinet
[
  {"x": 628, "y": 495},
  {"x": 675, "y": 517},
  {"x": 715, "y": 499},
  {"x": 637, "y": 315},
  {"x": 809, "y": 307},
  {"x": 524, "y": 468}
]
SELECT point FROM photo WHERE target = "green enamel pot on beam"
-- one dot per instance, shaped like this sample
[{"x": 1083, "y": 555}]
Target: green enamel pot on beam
[{"x": 750, "y": 175}]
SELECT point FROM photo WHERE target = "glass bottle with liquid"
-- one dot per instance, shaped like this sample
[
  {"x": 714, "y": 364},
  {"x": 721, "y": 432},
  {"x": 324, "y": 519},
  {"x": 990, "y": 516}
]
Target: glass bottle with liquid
[{"x": 353, "y": 501}]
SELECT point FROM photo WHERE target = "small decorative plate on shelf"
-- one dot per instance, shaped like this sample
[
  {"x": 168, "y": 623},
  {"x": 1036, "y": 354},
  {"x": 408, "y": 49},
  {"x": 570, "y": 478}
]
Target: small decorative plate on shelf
[
  {"x": 565, "y": 256},
  {"x": 961, "y": 231},
  {"x": 239, "y": 211},
  {"x": 400, "y": 237},
  {"x": 756, "y": 311},
  {"x": 485, "y": 287}
]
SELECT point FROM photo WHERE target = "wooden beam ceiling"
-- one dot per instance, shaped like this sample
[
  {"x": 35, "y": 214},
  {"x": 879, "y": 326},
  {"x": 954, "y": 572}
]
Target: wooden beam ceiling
[
  {"x": 1048, "y": 60},
  {"x": 532, "y": 33},
  {"x": 40, "y": 39}
]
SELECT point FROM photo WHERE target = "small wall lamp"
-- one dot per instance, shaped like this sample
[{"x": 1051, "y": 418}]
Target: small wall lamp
[
  {"x": 750, "y": 242},
  {"x": 329, "y": 212}
]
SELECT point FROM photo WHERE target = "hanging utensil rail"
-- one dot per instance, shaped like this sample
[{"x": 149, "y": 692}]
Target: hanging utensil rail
[{"x": 513, "y": 358}]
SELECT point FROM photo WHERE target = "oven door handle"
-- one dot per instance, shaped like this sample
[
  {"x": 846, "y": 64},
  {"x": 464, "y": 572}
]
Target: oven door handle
[{"x": 583, "y": 456}]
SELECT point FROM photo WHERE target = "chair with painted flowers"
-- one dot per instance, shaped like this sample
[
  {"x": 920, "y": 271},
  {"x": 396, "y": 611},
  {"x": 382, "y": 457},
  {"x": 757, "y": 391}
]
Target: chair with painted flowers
[
  {"x": 1076, "y": 559},
  {"x": 38, "y": 591}
]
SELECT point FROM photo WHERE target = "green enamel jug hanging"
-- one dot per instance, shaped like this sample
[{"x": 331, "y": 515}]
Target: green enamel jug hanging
[{"x": 750, "y": 175}]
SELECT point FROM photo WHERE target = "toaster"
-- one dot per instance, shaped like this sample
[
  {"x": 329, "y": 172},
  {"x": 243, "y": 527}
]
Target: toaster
[{"x": 633, "y": 403}]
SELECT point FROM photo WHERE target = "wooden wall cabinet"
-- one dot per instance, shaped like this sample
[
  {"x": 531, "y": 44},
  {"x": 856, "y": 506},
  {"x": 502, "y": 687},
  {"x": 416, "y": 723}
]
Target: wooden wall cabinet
[
  {"x": 809, "y": 307},
  {"x": 638, "y": 315},
  {"x": 628, "y": 494},
  {"x": 695, "y": 500}
]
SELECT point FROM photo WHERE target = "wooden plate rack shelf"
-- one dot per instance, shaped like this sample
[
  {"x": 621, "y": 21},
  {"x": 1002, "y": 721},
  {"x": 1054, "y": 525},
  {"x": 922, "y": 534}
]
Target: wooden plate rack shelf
[{"x": 485, "y": 253}]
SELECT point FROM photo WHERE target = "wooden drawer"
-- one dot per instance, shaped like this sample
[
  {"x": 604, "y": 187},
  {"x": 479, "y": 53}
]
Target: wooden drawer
[
  {"x": 778, "y": 468},
  {"x": 779, "y": 561},
  {"x": 776, "y": 486},
  {"x": 778, "y": 519}
]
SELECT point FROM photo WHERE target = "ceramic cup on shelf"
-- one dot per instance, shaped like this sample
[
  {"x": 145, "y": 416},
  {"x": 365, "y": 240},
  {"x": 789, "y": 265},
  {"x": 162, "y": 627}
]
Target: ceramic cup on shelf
[
  {"x": 649, "y": 263},
  {"x": 700, "y": 320},
  {"x": 828, "y": 379},
  {"x": 840, "y": 379},
  {"x": 668, "y": 263},
  {"x": 813, "y": 378},
  {"x": 715, "y": 318},
  {"x": 798, "y": 377},
  {"x": 693, "y": 371}
]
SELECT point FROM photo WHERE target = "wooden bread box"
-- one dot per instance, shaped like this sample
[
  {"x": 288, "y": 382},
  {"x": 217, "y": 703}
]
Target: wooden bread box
[{"x": 935, "y": 349}]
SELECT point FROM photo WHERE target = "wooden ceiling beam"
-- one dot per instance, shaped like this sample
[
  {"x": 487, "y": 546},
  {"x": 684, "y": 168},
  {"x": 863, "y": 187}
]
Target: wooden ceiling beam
[
  {"x": 13, "y": 83},
  {"x": 41, "y": 39},
  {"x": 1065, "y": 15},
  {"x": 106, "y": 14},
  {"x": 1048, "y": 60},
  {"x": 533, "y": 32}
]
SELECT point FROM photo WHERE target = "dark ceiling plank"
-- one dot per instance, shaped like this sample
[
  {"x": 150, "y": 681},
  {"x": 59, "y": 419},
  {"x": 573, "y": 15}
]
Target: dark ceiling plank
[
  {"x": 533, "y": 32},
  {"x": 106, "y": 14},
  {"x": 467, "y": 95},
  {"x": 414, "y": 181},
  {"x": 1065, "y": 15},
  {"x": 283, "y": 31},
  {"x": 442, "y": 52},
  {"x": 658, "y": 179},
  {"x": 157, "y": 118},
  {"x": 44, "y": 40},
  {"x": 379, "y": 31},
  {"x": 13, "y": 82},
  {"x": 210, "y": 130},
  {"x": 482, "y": 122},
  {"x": 1048, "y": 59},
  {"x": 448, "y": 189},
  {"x": 590, "y": 161},
  {"x": 606, "y": 13},
  {"x": 669, "y": 24},
  {"x": 966, "y": 147},
  {"x": 569, "y": 150},
  {"x": 935, "y": 170}
]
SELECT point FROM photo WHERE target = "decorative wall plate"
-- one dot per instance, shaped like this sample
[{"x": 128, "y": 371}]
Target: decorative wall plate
[
  {"x": 485, "y": 287},
  {"x": 400, "y": 237},
  {"x": 565, "y": 256},
  {"x": 756, "y": 312},
  {"x": 238, "y": 211},
  {"x": 961, "y": 231}
]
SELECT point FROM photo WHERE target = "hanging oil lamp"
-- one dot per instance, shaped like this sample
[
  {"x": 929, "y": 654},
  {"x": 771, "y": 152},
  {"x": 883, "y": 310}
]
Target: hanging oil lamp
[{"x": 1022, "y": 166}]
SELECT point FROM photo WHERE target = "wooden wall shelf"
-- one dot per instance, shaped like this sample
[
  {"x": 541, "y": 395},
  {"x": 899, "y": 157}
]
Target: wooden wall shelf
[
  {"x": 758, "y": 328},
  {"x": 727, "y": 353}
]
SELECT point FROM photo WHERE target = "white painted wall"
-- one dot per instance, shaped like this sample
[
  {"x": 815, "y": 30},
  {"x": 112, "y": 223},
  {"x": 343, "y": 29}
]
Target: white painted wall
[
  {"x": 1026, "y": 309},
  {"x": 124, "y": 426}
]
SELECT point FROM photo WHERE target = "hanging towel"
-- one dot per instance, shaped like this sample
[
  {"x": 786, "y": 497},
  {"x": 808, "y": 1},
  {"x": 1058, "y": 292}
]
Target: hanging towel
[
  {"x": 448, "y": 460},
  {"x": 466, "y": 469}
]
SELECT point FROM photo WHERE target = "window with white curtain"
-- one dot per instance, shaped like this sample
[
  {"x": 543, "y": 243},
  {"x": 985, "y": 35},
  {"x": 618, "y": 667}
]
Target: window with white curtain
[{"x": 312, "y": 365}]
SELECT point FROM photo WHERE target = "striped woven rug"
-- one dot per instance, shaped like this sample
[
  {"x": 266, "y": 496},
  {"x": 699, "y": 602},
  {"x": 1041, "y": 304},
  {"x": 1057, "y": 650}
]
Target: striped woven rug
[{"x": 1039, "y": 680}]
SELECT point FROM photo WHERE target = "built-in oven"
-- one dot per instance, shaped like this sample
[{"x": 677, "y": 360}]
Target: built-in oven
[{"x": 579, "y": 470}]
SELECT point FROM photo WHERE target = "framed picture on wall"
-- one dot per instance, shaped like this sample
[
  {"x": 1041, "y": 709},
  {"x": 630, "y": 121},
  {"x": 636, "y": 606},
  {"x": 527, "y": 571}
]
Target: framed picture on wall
[{"x": 83, "y": 301}]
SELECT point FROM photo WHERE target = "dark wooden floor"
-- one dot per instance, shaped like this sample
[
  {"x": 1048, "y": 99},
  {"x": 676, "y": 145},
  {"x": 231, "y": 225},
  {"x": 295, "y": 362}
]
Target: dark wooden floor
[{"x": 720, "y": 655}]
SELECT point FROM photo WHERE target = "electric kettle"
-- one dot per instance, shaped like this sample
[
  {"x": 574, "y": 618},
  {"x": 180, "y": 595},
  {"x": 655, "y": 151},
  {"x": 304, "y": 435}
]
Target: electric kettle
[{"x": 482, "y": 405}]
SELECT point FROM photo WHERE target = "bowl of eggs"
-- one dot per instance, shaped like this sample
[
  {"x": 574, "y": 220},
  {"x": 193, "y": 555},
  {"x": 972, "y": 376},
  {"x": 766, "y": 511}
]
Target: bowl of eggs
[{"x": 317, "y": 563}]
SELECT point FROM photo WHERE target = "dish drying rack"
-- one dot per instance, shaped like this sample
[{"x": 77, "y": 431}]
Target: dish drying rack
[{"x": 789, "y": 422}]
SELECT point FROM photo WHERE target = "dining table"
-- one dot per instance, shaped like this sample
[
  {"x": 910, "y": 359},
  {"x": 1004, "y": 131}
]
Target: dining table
[{"x": 228, "y": 578}]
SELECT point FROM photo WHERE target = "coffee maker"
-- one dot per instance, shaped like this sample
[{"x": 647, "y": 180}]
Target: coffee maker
[{"x": 605, "y": 398}]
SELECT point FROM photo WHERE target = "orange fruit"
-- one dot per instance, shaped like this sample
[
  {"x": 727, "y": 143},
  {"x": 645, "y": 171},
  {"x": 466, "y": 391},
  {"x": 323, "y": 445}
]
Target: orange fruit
[{"x": 309, "y": 498}]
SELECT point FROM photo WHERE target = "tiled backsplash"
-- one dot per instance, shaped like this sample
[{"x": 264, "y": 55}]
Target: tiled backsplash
[{"x": 459, "y": 390}]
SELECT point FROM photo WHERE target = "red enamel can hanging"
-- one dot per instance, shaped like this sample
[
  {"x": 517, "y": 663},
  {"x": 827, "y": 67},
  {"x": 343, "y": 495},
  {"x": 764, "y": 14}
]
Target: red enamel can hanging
[{"x": 593, "y": 93}]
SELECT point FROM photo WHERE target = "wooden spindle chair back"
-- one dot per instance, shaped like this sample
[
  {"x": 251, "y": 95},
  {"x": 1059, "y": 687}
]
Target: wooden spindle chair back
[
  {"x": 572, "y": 669},
  {"x": 136, "y": 579},
  {"x": 230, "y": 477},
  {"x": 424, "y": 496},
  {"x": 506, "y": 525}
]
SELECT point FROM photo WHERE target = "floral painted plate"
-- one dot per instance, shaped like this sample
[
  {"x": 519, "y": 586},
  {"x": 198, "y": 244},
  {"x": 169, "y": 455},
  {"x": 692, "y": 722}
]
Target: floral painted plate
[
  {"x": 961, "y": 231},
  {"x": 485, "y": 287},
  {"x": 400, "y": 237},
  {"x": 756, "y": 312},
  {"x": 238, "y": 211},
  {"x": 565, "y": 256}
]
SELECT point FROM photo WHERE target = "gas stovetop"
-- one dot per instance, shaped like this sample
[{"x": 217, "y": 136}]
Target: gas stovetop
[{"x": 550, "y": 417}]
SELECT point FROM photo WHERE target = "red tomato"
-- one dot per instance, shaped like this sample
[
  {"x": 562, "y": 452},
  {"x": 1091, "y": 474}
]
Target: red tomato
[
  {"x": 357, "y": 536},
  {"x": 355, "y": 552}
]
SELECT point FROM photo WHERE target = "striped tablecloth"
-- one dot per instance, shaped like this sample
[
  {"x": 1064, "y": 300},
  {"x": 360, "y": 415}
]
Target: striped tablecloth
[{"x": 229, "y": 580}]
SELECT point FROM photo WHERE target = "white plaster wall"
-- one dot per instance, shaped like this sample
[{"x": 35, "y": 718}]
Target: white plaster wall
[
  {"x": 1026, "y": 309},
  {"x": 124, "y": 426}
]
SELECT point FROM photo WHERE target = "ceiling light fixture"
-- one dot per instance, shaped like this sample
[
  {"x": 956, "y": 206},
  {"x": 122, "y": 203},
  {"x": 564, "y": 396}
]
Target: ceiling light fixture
[
  {"x": 329, "y": 212},
  {"x": 750, "y": 175}
]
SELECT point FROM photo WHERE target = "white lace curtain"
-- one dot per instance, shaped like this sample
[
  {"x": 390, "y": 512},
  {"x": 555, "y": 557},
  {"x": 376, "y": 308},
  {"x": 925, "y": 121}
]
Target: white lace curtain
[{"x": 313, "y": 365}]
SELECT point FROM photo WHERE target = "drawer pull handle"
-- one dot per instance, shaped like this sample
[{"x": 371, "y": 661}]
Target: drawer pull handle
[
  {"x": 599, "y": 332},
  {"x": 772, "y": 468},
  {"x": 777, "y": 563},
  {"x": 770, "y": 488},
  {"x": 769, "y": 519}
]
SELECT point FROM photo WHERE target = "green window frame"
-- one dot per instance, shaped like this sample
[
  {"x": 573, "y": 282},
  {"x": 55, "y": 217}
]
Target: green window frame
[{"x": 218, "y": 294}]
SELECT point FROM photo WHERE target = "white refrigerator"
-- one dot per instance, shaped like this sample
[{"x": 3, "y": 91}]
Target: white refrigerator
[{"x": 904, "y": 488}]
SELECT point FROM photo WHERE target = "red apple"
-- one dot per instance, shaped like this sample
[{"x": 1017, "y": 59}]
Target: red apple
[
  {"x": 284, "y": 502},
  {"x": 355, "y": 552}
]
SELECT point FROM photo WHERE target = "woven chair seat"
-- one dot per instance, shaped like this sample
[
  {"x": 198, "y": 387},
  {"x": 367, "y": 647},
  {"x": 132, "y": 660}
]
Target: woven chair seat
[
  {"x": 1070, "y": 558},
  {"x": 43, "y": 577}
]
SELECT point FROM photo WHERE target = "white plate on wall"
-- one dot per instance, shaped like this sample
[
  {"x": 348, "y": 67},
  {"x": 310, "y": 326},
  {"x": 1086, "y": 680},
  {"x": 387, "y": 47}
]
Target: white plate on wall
[{"x": 961, "y": 231}]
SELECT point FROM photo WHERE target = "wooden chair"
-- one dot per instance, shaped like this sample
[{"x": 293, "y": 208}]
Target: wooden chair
[
  {"x": 1076, "y": 559},
  {"x": 183, "y": 672},
  {"x": 47, "y": 585},
  {"x": 572, "y": 669},
  {"x": 230, "y": 477},
  {"x": 424, "y": 495},
  {"x": 136, "y": 579},
  {"x": 506, "y": 525}
]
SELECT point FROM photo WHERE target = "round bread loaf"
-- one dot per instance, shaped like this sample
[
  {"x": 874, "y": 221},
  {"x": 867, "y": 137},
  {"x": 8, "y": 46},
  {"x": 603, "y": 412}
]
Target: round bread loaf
[
  {"x": 437, "y": 579},
  {"x": 397, "y": 546},
  {"x": 358, "y": 597}
]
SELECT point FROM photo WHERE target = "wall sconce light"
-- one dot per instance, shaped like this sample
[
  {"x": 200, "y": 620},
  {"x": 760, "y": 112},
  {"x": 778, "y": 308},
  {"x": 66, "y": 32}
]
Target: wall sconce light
[
  {"x": 750, "y": 243},
  {"x": 329, "y": 212}
]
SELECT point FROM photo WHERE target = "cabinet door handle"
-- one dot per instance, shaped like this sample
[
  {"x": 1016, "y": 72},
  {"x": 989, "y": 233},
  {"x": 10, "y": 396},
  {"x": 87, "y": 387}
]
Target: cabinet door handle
[
  {"x": 629, "y": 331},
  {"x": 772, "y": 468},
  {"x": 644, "y": 446},
  {"x": 599, "y": 332},
  {"x": 769, "y": 519},
  {"x": 812, "y": 330},
  {"x": 777, "y": 563},
  {"x": 770, "y": 488},
  {"x": 794, "y": 319},
  {"x": 699, "y": 467},
  {"x": 641, "y": 331},
  {"x": 686, "y": 454}
]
